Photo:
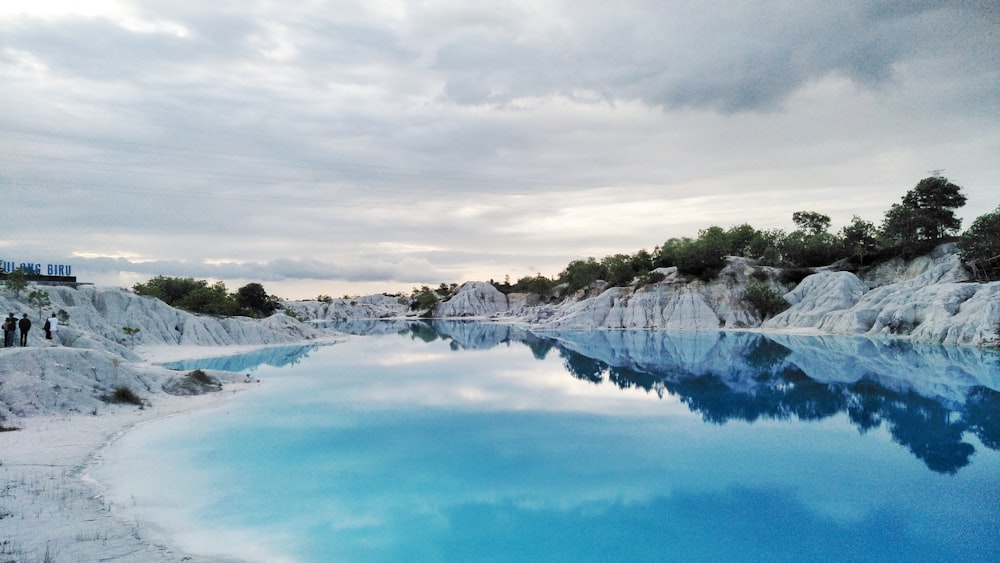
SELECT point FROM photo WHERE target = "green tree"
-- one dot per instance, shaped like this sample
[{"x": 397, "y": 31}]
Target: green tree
[
  {"x": 16, "y": 282},
  {"x": 580, "y": 274},
  {"x": 705, "y": 256},
  {"x": 982, "y": 239},
  {"x": 130, "y": 332},
  {"x": 423, "y": 299},
  {"x": 804, "y": 249},
  {"x": 925, "y": 214},
  {"x": 211, "y": 300},
  {"x": 936, "y": 198},
  {"x": 667, "y": 254},
  {"x": 811, "y": 245},
  {"x": 253, "y": 300},
  {"x": 39, "y": 299},
  {"x": 445, "y": 290},
  {"x": 618, "y": 269},
  {"x": 860, "y": 238},
  {"x": 642, "y": 261},
  {"x": 765, "y": 246},
  {"x": 169, "y": 290},
  {"x": 811, "y": 222},
  {"x": 741, "y": 238},
  {"x": 537, "y": 284}
]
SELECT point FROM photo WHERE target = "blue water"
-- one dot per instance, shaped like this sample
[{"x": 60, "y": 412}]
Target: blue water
[{"x": 471, "y": 442}]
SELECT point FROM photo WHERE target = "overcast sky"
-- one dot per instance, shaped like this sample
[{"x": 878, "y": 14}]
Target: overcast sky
[{"x": 353, "y": 147}]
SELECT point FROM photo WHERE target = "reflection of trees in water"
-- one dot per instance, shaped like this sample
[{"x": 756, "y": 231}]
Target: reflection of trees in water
[
  {"x": 422, "y": 331},
  {"x": 982, "y": 412},
  {"x": 762, "y": 382},
  {"x": 771, "y": 388}
]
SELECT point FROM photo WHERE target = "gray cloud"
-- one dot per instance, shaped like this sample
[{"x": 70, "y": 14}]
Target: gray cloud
[{"x": 358, "y": 143}]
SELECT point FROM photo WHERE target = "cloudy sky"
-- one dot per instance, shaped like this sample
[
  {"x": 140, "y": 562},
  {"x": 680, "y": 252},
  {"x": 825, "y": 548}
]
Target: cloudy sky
[{"x": 351, "y": 147}]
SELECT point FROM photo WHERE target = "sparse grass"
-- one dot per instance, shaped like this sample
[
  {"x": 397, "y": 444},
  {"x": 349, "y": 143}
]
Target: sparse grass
[{"x": 122, "y": 394}]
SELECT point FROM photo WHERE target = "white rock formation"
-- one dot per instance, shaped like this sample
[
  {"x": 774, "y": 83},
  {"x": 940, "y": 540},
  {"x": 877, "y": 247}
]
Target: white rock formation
[
  {"x": 928, "y": 299},
  {"x": 92, "y": 354},
  {"x": 376, "y": 306},
  {"x": 473, "y": 299}
]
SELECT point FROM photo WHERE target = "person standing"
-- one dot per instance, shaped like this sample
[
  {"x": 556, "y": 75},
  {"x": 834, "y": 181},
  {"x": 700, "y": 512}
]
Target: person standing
[
  {"x": 24, "y": 325},
  {"x": 9, "y": 326},
  {"x": 53, "y": 323}
]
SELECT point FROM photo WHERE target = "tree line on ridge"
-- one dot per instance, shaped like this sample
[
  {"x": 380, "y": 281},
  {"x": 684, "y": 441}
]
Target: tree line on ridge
[{"x": 924, "y": 218}]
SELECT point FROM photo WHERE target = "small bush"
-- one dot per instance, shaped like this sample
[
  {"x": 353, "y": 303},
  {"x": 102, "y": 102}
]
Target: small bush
[
  {"x": 646, "y": 278},
  {"x": 760, "y": 275},
  {"x": 765, "y": 301},
  {"x": 201, "y": 377},
  {"x": 123, "y": 394}
]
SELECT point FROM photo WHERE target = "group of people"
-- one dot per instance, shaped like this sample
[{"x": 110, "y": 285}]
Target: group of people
[{"x": 12, "y": 326}]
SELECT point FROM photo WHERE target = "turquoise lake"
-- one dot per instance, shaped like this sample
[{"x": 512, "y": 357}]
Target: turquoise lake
[{"x": 463, "y": 441}]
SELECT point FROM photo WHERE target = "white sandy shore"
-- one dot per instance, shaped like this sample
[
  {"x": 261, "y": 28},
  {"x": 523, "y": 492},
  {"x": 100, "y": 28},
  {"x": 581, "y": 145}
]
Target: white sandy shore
[{"x": 51, "y": 510}]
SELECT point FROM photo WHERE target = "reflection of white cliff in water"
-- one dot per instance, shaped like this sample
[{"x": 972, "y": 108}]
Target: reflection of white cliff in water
[
  {"x": 367, "y": 326},
  {"x": 276, "y": 356},
  {"x": 467, "y": 335},
  {"x": 927, "y": 396}
]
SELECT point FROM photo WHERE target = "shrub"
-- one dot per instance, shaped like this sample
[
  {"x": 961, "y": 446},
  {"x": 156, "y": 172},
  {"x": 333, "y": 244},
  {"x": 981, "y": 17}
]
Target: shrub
[
  {"x": 705, "y": 256},
  {"x": 423, "y": 299},
  {"x": 764, "y": 300},
  {"x": 537, "y": 285},
  {"x": 982, "y": 240},
  {"x": 201, "y": 377},
  {"x": 122, "y": 394},
  {"x": 619, "y": 270},
  {"x": 16, "y": 281},
  {"x": 5, "y": 428},
  {"x": 254, "y": 301},
  {"x": 580, "y": 274},
  {"x": 646, "y": 278},
  {"x": 197, "y": 296}
]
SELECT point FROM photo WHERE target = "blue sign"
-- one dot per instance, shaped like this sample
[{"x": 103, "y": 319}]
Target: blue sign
[{"x": 35, "y": 268}]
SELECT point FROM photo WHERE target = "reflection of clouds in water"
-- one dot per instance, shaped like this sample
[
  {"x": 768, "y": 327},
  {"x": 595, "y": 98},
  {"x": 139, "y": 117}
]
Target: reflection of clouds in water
[
  {"x": 446, "y": 379},
  {"x": 718, "y": 376},
  {"x": 402, "y": 358},
  {"x": 416, "y": 456}
]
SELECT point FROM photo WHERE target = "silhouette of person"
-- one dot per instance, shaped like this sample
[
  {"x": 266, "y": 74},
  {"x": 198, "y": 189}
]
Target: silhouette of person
[
  {"x": 9, "y": 327},
  {"x": 24, "y": 325}
]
